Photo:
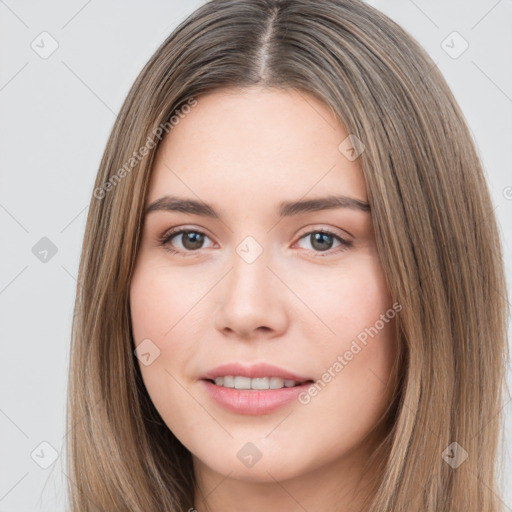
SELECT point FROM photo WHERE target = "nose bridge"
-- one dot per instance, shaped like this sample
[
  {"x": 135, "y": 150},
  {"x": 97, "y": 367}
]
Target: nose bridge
[
  {"x": 250, "y": 272},
  {"x": 250, "y": 298},
  {"x": 250, "y": 250}
]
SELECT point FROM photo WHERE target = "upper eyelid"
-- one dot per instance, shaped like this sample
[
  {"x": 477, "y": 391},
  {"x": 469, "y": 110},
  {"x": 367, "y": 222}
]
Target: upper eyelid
[
  {"x": 329, "y": 231},
  {"x": 171, "y": 233}
]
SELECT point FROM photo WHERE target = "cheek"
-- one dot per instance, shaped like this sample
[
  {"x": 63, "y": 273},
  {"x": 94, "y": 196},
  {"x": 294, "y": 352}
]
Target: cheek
[
  {"x": 161, "y": 298},
  {"x": 162, "y": 311},
  {"x": 158, "y": 306},
  {"x": 355, "y": 361},
  {"x": 355, "y": 366},
  {"x": 346, "y": 301}
]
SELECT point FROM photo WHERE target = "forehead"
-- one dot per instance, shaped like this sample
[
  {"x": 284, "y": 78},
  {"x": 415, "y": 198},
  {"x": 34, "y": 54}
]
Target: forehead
[{"x": 246, "y": 148}]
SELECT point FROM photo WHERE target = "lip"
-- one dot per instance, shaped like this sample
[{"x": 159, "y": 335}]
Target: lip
[
  {"x": 253, "y": 402},
  {"x": 253, "y": 371}
]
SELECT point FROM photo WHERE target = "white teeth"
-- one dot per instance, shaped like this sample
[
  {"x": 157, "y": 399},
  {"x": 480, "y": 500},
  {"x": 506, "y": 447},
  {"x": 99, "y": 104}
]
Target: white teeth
[
  {"x": 276, "y": 382},
  {"x": 258, "y": 383},
  {"x": 261, "y": 383},
  {"x": 242, "y": 383}
]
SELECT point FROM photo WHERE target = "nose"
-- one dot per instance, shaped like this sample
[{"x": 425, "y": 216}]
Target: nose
[{"x": 252, "y": 300}]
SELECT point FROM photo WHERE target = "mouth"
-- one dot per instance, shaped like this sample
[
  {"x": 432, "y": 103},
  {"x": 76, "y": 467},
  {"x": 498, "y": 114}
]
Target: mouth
[
  {"x": 254, "y": 396},
  {"x": 240, "y": 382},
  {"x": 253, "y": 390}
]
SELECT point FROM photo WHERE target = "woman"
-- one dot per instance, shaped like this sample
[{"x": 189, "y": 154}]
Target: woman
[{"x": 291, "y": 286}]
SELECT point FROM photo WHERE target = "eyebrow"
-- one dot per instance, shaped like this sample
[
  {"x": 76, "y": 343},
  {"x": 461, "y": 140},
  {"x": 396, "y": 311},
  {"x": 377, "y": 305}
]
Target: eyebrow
[{"x": 285, "y": 208}]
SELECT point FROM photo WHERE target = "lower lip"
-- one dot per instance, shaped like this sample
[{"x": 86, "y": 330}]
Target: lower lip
[{"x": 253, "y": 402}]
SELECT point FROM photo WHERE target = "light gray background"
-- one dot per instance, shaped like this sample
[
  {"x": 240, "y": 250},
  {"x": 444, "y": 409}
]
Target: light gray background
[{"x": 56, "y": 114}]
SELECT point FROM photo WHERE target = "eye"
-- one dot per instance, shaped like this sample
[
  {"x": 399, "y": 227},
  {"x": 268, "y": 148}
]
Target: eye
[
  {"x": 191, "y": 240},
  {"x": 322, "y": 240}
]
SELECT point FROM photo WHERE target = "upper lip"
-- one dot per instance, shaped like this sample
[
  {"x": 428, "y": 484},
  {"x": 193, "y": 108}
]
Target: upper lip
[{"x": 253, "y": 371}]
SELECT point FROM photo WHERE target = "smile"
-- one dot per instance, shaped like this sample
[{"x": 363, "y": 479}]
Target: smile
[{"x": 258, "y": 383}]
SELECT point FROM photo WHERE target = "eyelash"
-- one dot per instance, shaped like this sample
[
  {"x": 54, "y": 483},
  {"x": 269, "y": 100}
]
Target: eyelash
[{"x": 167, "y": 237}]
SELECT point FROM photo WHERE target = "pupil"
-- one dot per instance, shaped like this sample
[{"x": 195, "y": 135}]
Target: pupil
[
  {"x": 318, "y": 238},
  {"x": 193, "y": 240}
]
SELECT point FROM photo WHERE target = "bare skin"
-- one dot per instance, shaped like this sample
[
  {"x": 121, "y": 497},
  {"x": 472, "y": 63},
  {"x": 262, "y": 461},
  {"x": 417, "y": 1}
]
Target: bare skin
[{"x": 299, "y": 305}]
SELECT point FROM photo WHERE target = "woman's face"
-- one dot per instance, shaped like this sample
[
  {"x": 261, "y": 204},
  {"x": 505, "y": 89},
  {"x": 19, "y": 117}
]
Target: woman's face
[{"x": 256, "y": 282}]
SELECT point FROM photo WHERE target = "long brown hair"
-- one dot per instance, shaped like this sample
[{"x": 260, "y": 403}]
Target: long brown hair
[{"x": 435, "y": 231}]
